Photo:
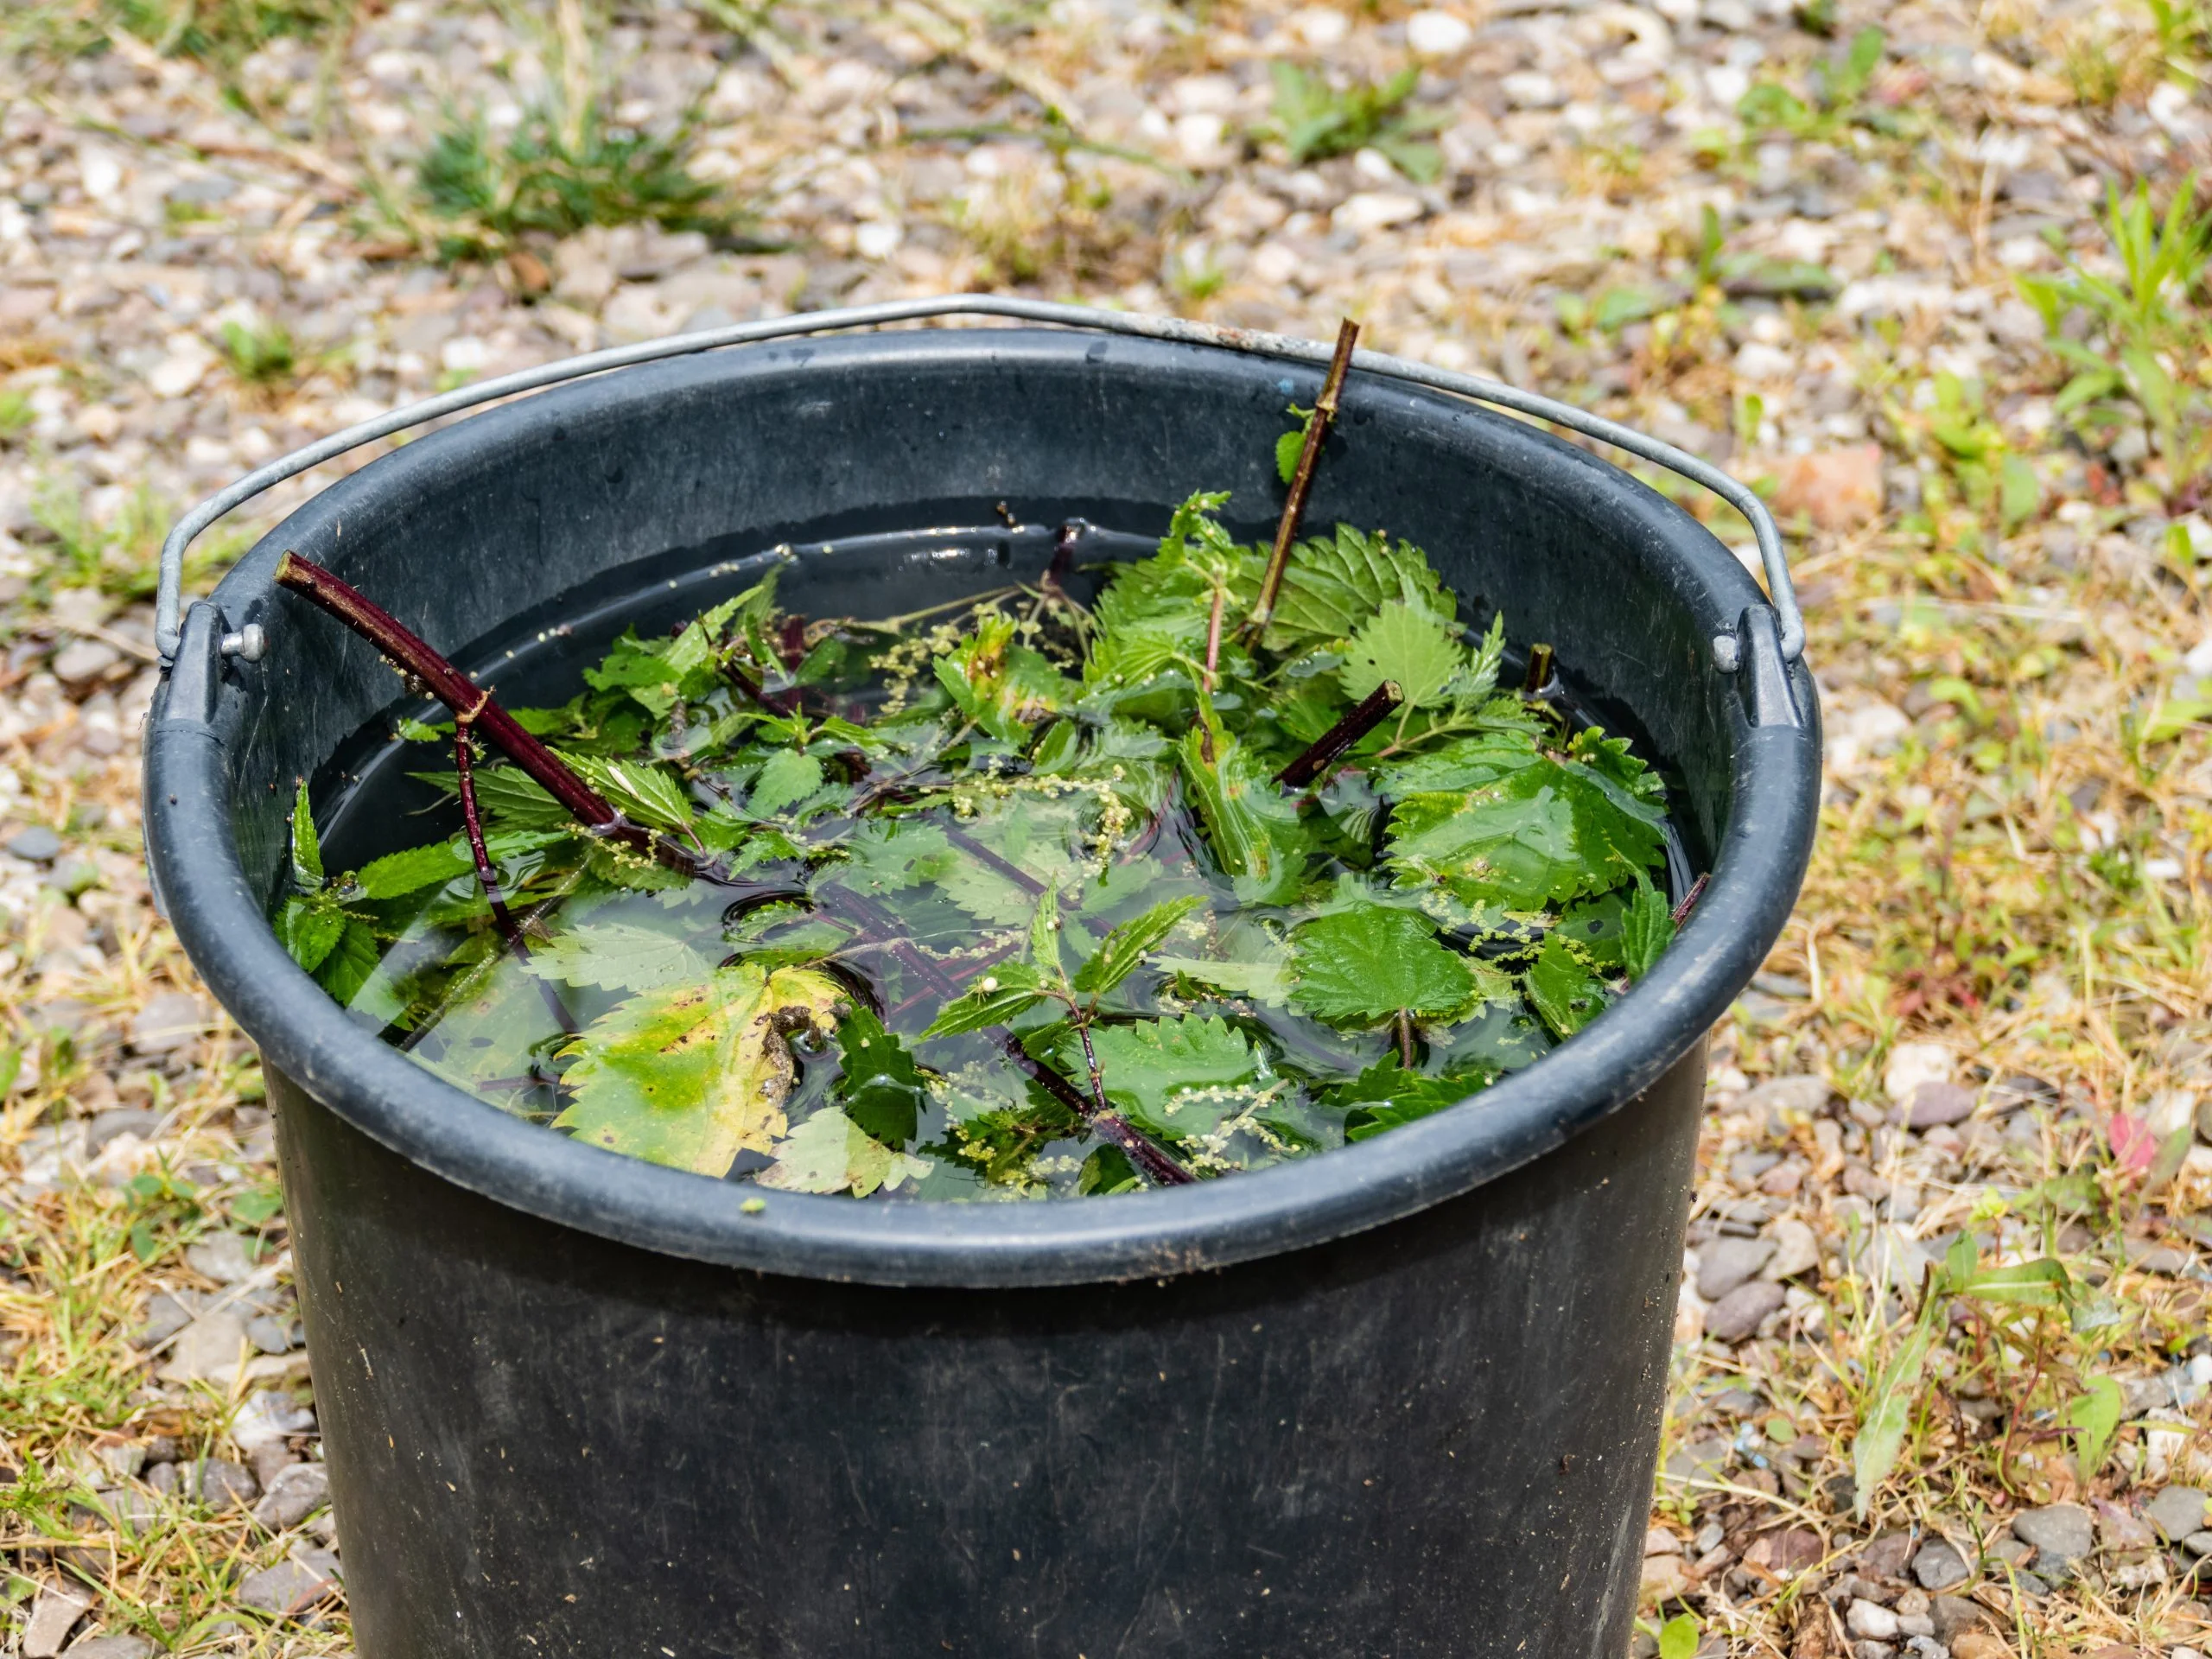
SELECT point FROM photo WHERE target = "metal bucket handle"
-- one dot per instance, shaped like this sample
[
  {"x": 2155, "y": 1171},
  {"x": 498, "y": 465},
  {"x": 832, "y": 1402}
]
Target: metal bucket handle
[{"x": 248, "y": 643}]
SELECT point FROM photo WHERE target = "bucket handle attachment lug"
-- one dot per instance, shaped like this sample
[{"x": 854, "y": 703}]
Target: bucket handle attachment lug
[{"x": 248, "y": 643}]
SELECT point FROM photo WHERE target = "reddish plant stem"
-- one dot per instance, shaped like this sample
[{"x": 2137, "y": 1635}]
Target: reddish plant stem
[
  {"x": 1690, "y": 898},
  {"x": 1374, "y": 708},
  {"x": 1405, "y": 1041},
  {"x": 464, "y": 766},
  {"x": 983, "y": 855},
  {"x": 476, "y": 709},
  {"x": 1213, "y": 636},
  {"x": 1293, "y": 508},
  {"x": 1154, "y": 1163},
  {"x": 488, "y": 875},
  {"x": 782, "y": 704},
  {"x": 469, "y": 702}
]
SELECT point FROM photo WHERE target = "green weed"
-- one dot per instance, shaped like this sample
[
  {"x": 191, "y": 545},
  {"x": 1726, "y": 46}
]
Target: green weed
[
  {"x": 553, "y": 176},
  {"x": 260, "y": 354},
  {"x": 2156, "y": 320},
  {"x": 1314, "y": 121},
  {"x": 223, "y": 33},
  {"x": 1839, "y": 102}
]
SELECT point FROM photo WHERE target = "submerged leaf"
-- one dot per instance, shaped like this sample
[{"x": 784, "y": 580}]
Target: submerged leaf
[
  {"x": 621, "y": 956},
  {"x": 1386, "y": 1095},
  {"x": 1128, "y": 945},
  {"x": 692, "y": 1075},
  {"x": 1150, "y": 1067},
  {"x": 1365, "y": 964},
  {"x": 830, "y": 1152},
  {"x": 880, "y": 1086},
  {"x": 1563, "y": 990}
]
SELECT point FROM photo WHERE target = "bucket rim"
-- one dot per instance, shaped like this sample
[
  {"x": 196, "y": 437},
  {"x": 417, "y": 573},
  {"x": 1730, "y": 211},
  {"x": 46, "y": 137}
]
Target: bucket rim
[{"x": 1757, "y": 864}]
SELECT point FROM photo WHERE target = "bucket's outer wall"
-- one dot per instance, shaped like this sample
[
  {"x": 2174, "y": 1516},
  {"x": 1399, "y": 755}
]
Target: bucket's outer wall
[{"x": 1433, "y": 1439}]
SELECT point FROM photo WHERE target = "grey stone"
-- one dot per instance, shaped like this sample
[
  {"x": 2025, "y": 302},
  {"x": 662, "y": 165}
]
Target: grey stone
[
  {"x": 1737, "y": 1314},
  {"x": 37, "y": 844},
  {"x": 165, "y": 1317},
  {"x": 111, "y": 1647},
  {"x": 83, "y": 661},
  {"x": 225, "y": 1257},
  {"x": 53, "y": 1614},
  {"x": 1885, "y": 1556},
  {"x": 294, "y": 1585},
  {"x": 1952, "y": 1614},
  {"x": 209, "y": 1350},
  {"x": 2061, "y": 1532},
  {"x": 213, "y": 1481},
  {"x": 296, "y": 1493},
  {"x": 1795, "y": 1251},
  {"x": 270, "y": 1335},
  {"x": 1727, "y": 1262},
  {"x": 2176, "y": 1512},
  {"x": 124, "y": 1120},
  {"x": 168, "y": 1023},
  {"x": 1778, "y": 1099},
  {"x": 1939, "y": 1566},
  {"x": 1872, "y": 1620},
  {"x": 1935, "y": 1104},
  {"x": 2198, "y": 1543}
]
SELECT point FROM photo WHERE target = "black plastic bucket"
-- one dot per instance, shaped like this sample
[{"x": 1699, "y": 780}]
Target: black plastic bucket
[{"x": 1401, "y": 1400}]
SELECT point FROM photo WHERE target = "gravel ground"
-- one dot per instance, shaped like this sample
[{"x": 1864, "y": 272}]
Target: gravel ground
[{"x": 1805, "y": 250}]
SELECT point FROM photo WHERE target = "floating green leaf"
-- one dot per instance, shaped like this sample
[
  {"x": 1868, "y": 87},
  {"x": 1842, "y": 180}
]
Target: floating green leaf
[
  {"x": 1368, "y": 963},
  {"x": 1128, "y": 945},
  {"x": 881, "y": 1088}
]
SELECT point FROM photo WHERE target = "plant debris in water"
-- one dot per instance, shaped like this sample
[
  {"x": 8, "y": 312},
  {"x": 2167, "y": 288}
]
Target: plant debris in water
[{"x": 1023, "y": 898}]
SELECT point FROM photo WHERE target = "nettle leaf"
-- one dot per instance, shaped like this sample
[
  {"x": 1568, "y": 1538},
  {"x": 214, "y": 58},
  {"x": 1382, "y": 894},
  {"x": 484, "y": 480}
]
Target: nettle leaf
[
  {"x": 1045, "y": 936},
  {"x": 1334, "y": 584},
  {"x": 622, "y": 956},
  {"x": 1266, "y": 982},
  {"x": 1003, "y": 688},
  {"x": 1145, "y": 1068},
  {"x": 1252, "y": 829},
  {"x": 1386, "y": 1095},
  {"x": 1542, "y": 833},
  {"x": 416, "y": 869},
  {"x": 1562, "y": 988},
  {"x": 640, "y": 791},
  {"x": 691, "y": 1075},
  {"x": 880, "y": 1087},
  {"x": 1365, "y": 964},
  {"x": 830, "y": 1152},
  {"x": 889, "y": 857},
  {"x": 1128, "y": 945},
  {"x": 309, "y": 929},
  {"x": 307, "y": 843},
  {"x": 1647, "y": 929},
  {"x": 510, "y": 798},
  {"x": 1009, "y": 989},
  {"x": 1406, "y": 647},
  {"x": 349, "y": 964},
  {"x": 1461, "y": 763},
  {"x": 1612, "y": 760},
  {"x": 788, "y": 777}
]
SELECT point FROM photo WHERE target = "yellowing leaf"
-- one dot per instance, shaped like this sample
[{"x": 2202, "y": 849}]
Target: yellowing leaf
[
  {"x": 830, "y": 1152},
  {"x": 691, "y": 1075}
]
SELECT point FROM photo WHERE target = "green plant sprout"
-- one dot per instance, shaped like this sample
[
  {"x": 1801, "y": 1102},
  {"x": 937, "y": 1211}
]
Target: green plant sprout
[{"x": 1315, "y": 121}]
